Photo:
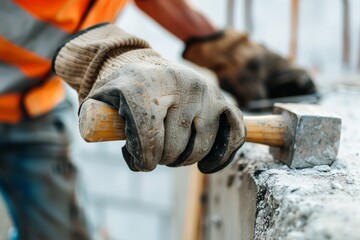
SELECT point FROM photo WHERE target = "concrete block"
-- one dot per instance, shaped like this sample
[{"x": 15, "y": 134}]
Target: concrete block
[
  {"x": 258, "y": 197},
  {"x": 267, "y": 200}
]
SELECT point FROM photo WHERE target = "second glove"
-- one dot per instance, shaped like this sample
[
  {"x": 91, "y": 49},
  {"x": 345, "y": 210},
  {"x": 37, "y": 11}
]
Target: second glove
[{"x": 248, "y": 70}]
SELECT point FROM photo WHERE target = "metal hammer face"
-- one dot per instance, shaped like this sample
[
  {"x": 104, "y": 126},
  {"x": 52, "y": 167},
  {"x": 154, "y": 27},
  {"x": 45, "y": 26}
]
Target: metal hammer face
[{"x": 313, "y": 136}]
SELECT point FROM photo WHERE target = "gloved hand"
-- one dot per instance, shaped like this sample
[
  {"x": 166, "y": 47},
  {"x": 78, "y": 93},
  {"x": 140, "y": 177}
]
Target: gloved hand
[
  {"x": 173, "y": 116},
  {"x": 247, "y": 70}
]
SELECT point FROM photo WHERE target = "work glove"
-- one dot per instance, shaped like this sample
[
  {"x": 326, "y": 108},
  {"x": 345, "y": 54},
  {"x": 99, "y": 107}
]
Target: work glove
[
  {"x": 173, "y": 116},
  {"x": 247, "y": 70}
]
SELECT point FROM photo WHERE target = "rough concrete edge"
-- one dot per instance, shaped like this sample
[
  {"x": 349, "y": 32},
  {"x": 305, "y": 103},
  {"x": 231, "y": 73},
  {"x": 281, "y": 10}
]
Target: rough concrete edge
[{"x": 313, "y": 203}]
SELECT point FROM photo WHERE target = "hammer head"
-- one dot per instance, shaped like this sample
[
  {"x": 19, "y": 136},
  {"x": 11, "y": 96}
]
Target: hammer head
[{"x": 313, "y": 136}]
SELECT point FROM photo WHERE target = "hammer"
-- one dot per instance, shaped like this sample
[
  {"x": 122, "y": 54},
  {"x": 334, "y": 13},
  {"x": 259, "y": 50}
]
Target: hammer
[{"x": 300, "y": 135}]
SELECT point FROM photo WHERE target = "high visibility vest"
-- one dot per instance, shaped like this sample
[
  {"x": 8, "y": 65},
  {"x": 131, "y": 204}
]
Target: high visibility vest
[{"x": 30, "y": 32}]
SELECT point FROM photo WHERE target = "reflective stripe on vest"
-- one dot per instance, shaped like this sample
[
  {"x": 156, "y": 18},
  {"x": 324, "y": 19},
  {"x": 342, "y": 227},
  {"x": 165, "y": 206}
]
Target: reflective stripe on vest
[
  {"x": 12, "y": 80},
  {"x": 29, "y": 36}
]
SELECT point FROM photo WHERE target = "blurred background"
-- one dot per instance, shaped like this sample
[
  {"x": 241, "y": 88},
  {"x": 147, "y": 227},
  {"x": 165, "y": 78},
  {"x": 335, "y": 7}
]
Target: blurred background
[{"x": 123, "y": 205}]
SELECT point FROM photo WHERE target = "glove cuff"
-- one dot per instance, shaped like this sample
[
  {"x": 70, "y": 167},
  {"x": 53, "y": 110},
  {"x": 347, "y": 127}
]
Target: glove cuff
[
  {"x": 202, "y": 39},
  {"x": 80, "y": 59},
  {"x": 212, "y": 51}
]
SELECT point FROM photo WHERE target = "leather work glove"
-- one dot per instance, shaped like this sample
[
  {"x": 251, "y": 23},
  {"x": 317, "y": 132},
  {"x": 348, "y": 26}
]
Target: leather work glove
[
  {"x": 247, "y": 70},
  {"x": 173, "y": 116}
]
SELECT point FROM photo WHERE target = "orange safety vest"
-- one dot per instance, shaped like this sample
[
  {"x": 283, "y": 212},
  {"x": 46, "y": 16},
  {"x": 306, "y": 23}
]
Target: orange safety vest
[{"x": 30, "y": 33}]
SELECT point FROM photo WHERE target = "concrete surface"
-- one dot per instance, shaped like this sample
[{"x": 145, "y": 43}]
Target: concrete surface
[{"x": 259, "y": 198}]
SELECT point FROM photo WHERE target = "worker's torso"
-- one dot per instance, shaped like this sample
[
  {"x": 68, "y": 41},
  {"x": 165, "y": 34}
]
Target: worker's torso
[{"x": 30, "y": 32}]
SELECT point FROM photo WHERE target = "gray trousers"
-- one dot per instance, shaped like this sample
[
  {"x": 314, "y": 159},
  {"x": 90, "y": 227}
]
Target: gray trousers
[{"x": 38, "y": 179}]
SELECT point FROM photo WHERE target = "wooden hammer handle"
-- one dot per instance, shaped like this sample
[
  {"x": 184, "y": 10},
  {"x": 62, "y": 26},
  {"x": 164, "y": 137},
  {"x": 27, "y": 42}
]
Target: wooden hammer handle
[{"x": 101, "y": 122}]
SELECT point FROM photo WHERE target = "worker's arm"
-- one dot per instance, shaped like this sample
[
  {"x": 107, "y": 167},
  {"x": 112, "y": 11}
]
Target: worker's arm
[
  {"x": 247, "y": 70},
  {"x": 179, "y": 17},
  {"x": 173, "y": 116}
]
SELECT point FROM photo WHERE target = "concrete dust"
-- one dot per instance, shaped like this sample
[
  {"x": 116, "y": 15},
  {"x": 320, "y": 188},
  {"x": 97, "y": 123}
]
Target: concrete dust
[{"x": 305, "y": 197}]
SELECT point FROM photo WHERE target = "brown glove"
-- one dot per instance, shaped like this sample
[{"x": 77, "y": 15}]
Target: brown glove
[
  {"x": 173, "y": 116},
  {"x": 247, "y": 70}
]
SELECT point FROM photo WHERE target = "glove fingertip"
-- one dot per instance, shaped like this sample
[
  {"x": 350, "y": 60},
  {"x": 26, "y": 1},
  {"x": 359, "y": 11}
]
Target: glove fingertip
[
  {"x": 215, "y": 157},
  {"x": 188, "y": 150},
  {"x": 129, "y": 159},
  {"x": 224, "y": 149},
  {"x": 203, "y": 168},
  {"x": 142, "y": 151}
]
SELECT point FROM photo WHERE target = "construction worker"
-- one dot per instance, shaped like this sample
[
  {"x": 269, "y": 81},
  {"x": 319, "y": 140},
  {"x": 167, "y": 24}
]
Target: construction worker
[{"x": 173, "y": 116}]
